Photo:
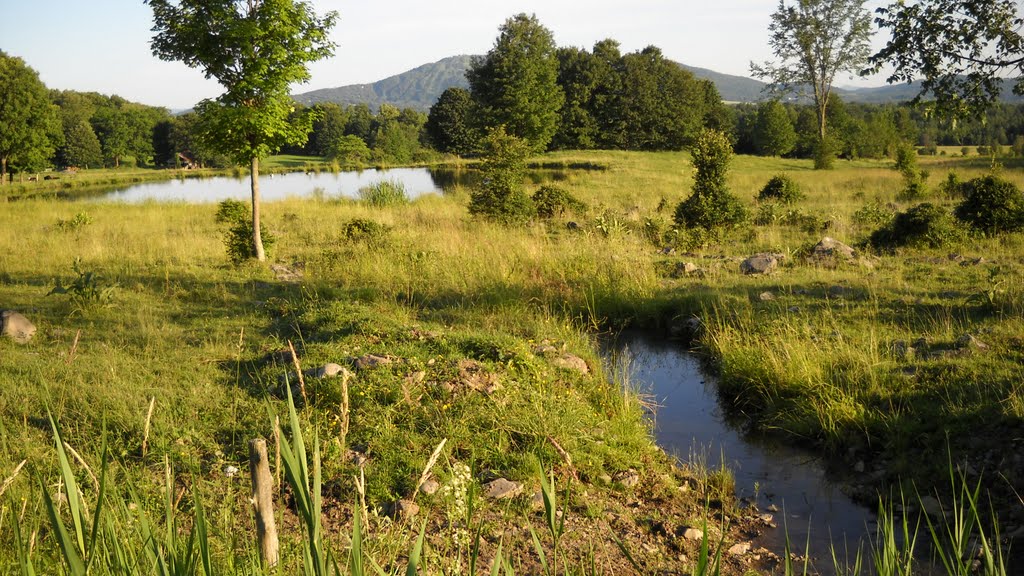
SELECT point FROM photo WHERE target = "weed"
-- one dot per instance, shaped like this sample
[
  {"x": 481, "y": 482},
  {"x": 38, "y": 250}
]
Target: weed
[
  {"x": 88, "y": 289},
  {"x": 384, "y": 193},
  {"x": 79, "y": 221}
]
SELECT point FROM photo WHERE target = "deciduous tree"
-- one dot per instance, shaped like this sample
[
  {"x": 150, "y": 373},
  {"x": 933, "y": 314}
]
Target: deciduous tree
[
  {"x": 961, "y": 50},
  {"x": 450, "y": 123},
  {"x": 516, "y": 83},
  {"x": 814, "y": 40},
  {"x": 256, "y": 49},
  {"x": 29, "y": 125},
  {"x": 774, "y": 134}
]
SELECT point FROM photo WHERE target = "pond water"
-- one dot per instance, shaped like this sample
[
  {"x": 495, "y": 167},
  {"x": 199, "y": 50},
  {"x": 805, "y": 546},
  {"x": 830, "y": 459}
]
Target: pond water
[
  {"x": 417, "y": 181},
  {"x": 690, "y": 423}
]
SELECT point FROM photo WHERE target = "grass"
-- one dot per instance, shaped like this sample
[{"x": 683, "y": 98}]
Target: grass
[{"x": 460, "y": 307}]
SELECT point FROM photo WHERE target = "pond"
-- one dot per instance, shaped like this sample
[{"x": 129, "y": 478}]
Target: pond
[
  {"x": 325, "y": 184},
  {"x": 690, "y": 423},
  {"x": 417, "y": 181}
]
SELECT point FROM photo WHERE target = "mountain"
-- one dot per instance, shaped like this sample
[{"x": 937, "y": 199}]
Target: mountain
[{"x": 418, "y": 88}]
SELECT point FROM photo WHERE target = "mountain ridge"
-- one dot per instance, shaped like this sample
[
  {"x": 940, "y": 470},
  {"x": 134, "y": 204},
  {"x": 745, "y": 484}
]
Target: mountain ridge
[{"x": 420, "y": 87}]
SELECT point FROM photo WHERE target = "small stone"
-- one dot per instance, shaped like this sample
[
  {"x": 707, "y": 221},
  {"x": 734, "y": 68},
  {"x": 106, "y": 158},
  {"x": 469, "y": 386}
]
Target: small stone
[
  {"x": 793, "y": 309},
  {"x": 766, "y": 518},
  {"x": 230, "y": 471},
  {"x": 762, "y": 263},
  {"x": 404, "y": 509},
  {"x": 328, "y": 370},
  {"x": 537, "y": 501},
  {"x": 430, "y": 487},
  {"x": 831, "y": 249},
  {"x": 629, "y": 478},
  {"x": 859, "y": 466},
  {"x": 572, "y": 362},
  {"x": 693, "y": 534},
  {"x": 502, "y": 489},
  {"x": 545, "y": 349},
  {"x": 371, "y": 361},
  {"x": 766, "y": 297},
  {"x": 739, "y": 549},
  {"x": 969, "y": 342},
  {"x": 16, "y": 326}
]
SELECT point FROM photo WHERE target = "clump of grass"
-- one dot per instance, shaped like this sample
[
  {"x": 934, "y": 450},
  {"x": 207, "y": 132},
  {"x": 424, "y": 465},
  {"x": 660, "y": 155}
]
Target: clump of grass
[
  {"x": 781, "y": 188},
  {"x": 384, "y": 193}
]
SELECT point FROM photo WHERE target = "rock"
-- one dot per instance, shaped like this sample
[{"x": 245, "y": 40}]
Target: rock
[
  {"x": 286, "y": 274},
  {"x": 572, "y": 362},
  {"x": 931, "y": 506},
  {"x": 969, "y": 342},
  {"x": 766, "y": 519},
  {"x": 766, "y": 297},
  {"x": 739, "y": 549},
  {"x": 572, "y": 225},
  {"x": 357, "y": 458},
  {"x": 667, "y": 250},
  {"x": 830, "y": 249},
  {"x": 429, "y": 487},
  {"x": 328, "y": 370},
  {"x": 629, "y": 478},
  {"x": 859, "y": 466},
  {"x": 474, "y": 375},
  {"x": 545, "y": 350},
  {"x": 230, "y": 471},
  {"x": 371, "y": 361},
  {"x": 793, "y": 309},
  {"x": 762, "y": 263},
  {"x": 16, "y": 326},
  {"x": 404, "y": 509},
  {"x": 502, "y": 489},
  {"x": 693, "y": 534},
  {"x": 537, "y": 501},
  {"x": 682, "y": 269}
]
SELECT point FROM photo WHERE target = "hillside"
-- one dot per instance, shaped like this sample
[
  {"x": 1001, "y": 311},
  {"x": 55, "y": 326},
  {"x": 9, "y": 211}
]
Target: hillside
[{"x": 420, "y": 87}]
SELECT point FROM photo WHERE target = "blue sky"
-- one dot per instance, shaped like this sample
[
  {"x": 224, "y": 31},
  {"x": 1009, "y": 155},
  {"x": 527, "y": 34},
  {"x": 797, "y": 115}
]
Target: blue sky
[{"x": 103, "y": 45}]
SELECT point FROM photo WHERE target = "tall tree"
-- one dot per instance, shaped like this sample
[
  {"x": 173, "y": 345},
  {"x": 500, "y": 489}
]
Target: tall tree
[
  {"x": 962, "y": 50},
  {"x": 662, "y": 106},
  {"x": 578, "y": 73},
  {"x": 29, "y": 125},
  {"x": 814, "y": 40},
  {"x": 256, "y": 49},
  {"x": 516, "y": 83},
  {"x": 450, "y": 123},
  {"x": 774, "y": 134}
]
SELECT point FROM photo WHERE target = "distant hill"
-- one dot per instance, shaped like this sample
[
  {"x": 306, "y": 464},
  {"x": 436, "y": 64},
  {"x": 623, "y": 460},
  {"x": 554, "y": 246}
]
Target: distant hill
[{"x": 420, "y": 87}]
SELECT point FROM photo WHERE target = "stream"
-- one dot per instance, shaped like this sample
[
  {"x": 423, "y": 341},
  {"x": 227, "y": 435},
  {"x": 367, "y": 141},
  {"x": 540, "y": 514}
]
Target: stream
[{"x": 690, "y": 424}]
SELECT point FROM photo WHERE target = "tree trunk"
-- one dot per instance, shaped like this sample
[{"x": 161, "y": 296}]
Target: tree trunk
[
  {"x": 263, "y": 500},
  {"x": 257, "y": 238},
  {"x": 3, "y": 170}
]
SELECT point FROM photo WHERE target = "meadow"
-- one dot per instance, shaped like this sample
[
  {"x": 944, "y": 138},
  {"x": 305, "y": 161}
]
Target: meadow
[{"x": 456, "y": 330}]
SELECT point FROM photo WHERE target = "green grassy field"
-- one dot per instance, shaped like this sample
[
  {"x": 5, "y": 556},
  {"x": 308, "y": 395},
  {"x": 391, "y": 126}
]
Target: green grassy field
[{"x": 471, "y": 319}]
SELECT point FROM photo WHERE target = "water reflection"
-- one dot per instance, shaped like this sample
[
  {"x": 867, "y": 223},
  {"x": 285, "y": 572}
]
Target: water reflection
[{"x": 690, "y": 423}]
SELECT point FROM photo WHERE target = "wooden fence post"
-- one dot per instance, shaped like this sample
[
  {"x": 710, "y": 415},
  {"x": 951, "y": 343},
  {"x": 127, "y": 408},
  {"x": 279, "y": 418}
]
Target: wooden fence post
[{"x": 263, "y": 500}]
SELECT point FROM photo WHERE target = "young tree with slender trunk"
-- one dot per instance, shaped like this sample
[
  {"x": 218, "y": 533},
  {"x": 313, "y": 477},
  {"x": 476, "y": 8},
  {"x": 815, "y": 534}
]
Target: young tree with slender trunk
[
  {"x": 814, "y": 40},
  {"x": 256, "y": 49}
]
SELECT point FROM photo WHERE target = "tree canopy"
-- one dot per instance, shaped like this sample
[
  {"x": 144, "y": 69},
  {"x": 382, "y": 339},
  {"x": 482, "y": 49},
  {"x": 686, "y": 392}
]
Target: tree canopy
[
  {"x": 516, "y": 83},
  {"x": 256, "y": 49},
  {"x": 29, "y": 124},
  {"x": 961, "y": 50},
  {"x": 814, "y": 40}
]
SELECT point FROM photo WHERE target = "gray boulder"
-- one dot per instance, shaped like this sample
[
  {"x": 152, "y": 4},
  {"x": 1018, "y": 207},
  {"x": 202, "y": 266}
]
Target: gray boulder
[
  {"x": 830, "y": 249},
  {"x": 16, "y": 326},
  {"x": 762, "y": 263}
]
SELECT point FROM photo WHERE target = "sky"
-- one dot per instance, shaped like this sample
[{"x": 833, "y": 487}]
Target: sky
[{"x": 103, "y": 45}]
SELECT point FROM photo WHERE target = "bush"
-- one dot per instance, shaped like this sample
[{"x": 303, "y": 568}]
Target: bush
[
  {"x": 230, "y": 211},
  {"x": 711, "y": 205},
  {"x": 924, "y": 225},
  {"x": 781, "y": 188},
  {"x": 552, "y": 201},
  {"x": 384, "y": 193},
  {"x": 952, "y": 186},
  {"x": 363, "y": 231},
  {"x": 991, "y": 205},
  {"x": 238, "y": 236},
  {"x": 500, "y": 197},
  {"x": 874, "y": 213}
]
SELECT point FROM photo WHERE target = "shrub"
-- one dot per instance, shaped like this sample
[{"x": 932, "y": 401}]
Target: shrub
[
  {"x": 782, "y": 188},
  {"x": 711, "y": 205},
  {"x": 991, "y": 205},
  {"x": 924, "y": 225},
  {"x": 952, "y": 186},
  {"x": 873, "y": 213},
  {"x": 230, "y": 211},
  {"x": 238, "y": 237},
  {"x": 384, "y": 193},
  {"x": 79, "y": 221},
  {"x": 369, "y": 232},
  {"x": 552, "y": 201},
  {"x": 500, "y": 196}
]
